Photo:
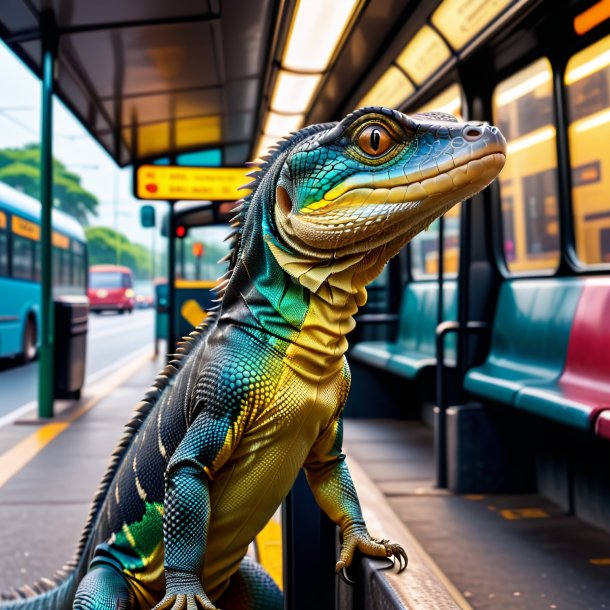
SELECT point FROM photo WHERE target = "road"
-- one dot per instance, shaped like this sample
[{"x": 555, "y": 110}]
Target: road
[{"x": 111, "y": 338}]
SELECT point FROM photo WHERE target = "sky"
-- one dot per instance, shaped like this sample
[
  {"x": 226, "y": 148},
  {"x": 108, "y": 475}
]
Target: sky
[{"x": 20, "y": 125}]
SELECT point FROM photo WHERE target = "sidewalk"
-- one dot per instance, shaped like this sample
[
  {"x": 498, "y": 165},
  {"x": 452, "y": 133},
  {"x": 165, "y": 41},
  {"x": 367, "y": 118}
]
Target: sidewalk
[{"x": 49, "y": 473}]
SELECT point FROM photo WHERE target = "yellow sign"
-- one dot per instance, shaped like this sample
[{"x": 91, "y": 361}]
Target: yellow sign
[
  {"x": 175, "y": 183},
  {"x": 2, "y": 220},
  {"x": 25, "y": 228},
  {"x": 61, "y": 241}
]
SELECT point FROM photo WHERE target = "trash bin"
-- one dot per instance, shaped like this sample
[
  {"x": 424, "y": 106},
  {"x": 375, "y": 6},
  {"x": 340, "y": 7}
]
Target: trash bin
[{"x": 71, "y": 320}]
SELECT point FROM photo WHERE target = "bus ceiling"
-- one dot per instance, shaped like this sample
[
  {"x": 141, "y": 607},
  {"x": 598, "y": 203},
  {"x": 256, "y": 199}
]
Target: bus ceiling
[{"x": 151, "y": 80}]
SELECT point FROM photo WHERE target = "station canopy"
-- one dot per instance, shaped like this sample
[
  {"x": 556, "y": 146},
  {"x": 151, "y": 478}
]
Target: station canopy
[{"x": 162, "y": 78}]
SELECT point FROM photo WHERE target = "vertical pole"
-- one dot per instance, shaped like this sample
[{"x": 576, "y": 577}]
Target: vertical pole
[
  {"x": 46, "y": 364},
  {"x": 153, "y": 267},
  {"x": 308, "y": 549},
  {"x": 171, "y": 280},
  {"x": 440, "y": 436},
  {"x": 117, "y": 243}
]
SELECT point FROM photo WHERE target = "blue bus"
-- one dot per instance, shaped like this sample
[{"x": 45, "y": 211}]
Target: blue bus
[{"x": 20, "y": 269}]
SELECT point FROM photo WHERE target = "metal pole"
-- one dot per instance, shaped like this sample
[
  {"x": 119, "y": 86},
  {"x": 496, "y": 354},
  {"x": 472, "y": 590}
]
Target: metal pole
[
  {"x": 46, "y": 364},
  {"x": 171, "y": 280},
  {"x": 441, "y": 418}
]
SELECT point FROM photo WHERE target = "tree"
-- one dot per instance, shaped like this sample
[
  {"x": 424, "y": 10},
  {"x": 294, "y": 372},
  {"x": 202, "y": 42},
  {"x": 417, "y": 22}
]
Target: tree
[
  {"x": 20, "y": 168},
  {"x": 109, "y": 247}
]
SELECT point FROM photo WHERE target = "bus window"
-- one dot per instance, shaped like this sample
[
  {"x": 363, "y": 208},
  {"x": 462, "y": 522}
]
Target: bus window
[
  {"x": 587, "y": 79},
  {"x": 424, "y": 246},
  {"x": 23, "y": 258},
  {"x": 3, "y": 246},
  {"x": 78, "y": 265},
  {"x": 523, "y": 110}
]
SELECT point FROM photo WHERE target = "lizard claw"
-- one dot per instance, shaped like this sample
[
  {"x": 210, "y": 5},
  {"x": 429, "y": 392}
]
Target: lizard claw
[
  {"x": 396, "y": 551},
  {"x": 345, "y": 578}
]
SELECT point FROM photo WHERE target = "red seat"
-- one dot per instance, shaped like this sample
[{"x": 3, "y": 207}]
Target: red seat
[
  {"x": 583, "y": 390},
  {"x": 602, "y": 426}
]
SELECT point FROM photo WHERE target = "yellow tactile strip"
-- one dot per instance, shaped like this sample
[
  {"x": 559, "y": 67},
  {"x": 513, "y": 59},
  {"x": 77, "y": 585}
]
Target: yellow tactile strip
[{"x": 17, "y": 457}]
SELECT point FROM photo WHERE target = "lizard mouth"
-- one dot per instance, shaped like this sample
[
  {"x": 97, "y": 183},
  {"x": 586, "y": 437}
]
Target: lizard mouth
[
  {"x": 368, "y": 217},
  {"x": 413, "y": 193}
]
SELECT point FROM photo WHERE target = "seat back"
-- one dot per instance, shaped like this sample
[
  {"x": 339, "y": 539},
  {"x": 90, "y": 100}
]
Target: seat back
[
  {"x": 588, "y": 356},
  {"x": 532, "y": 325},
  {"x": 419, "y": 317}
]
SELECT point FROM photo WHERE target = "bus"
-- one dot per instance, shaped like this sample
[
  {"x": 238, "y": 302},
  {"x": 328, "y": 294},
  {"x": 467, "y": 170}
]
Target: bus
[
  {"x": 111, "y": 289},
  {"x": 20, "y": 269}
]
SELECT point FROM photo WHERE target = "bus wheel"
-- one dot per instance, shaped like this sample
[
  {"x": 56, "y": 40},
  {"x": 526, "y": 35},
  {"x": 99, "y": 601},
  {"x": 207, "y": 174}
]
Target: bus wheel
[{"x": 29, "y": 347}]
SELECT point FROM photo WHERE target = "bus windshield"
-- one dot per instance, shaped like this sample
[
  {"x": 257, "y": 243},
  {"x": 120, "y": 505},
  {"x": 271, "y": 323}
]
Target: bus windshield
[{"x": 106, "y": 279}]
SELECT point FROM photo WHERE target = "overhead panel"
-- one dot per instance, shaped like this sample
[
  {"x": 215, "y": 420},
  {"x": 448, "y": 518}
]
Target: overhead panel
[
  {"x": 155, "y": 77},
  {"x": 424, "y": 55},
  {"x": 391, "y": 90},
  {"x": 459, "y": 21}
]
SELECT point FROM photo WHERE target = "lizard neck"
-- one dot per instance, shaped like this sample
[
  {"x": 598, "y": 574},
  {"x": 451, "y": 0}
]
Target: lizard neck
[{"x": 305, "y": 307}]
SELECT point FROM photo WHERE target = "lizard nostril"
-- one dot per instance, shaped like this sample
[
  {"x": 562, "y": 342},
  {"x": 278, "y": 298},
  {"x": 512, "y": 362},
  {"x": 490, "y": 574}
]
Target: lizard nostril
[{"x": 472, "y": 132}]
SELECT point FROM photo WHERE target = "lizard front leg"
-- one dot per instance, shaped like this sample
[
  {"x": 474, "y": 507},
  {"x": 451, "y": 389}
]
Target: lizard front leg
[
  {"x": 185, "y": 526},
  {"x": 331, "y": 483},
  {"x": 209, "y": 441}
]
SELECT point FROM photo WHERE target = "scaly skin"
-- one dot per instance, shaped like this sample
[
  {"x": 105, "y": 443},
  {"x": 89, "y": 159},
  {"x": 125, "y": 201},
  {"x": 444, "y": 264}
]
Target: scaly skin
[{"x": 261, "y": 393}]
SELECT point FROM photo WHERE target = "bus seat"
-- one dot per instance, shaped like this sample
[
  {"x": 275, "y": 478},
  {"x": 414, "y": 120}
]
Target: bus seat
[
  {"x": 602, "y": 425},
  {"x": 416, "y": 342},
  {"x": 583, "y": 390},
  {"x": 414, "y": 347},
  {"x": 529, "y": 339}
]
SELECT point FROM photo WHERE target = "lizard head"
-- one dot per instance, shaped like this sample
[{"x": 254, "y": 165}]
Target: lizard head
[{"x": 380, "y": 176}]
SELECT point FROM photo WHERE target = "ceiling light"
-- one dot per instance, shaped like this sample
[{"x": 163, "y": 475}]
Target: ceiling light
[
  {"x": 293, "y": 92},
  {"x": 316, "y": 29},
  {"x": 280, "y": 125}
]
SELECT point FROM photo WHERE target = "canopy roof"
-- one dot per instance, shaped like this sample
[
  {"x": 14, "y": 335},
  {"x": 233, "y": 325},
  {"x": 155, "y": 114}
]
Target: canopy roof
[{"x": 157, "y": 78}]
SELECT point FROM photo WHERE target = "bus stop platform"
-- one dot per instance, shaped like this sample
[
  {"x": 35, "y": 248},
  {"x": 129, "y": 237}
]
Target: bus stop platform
[{"x": 464, "y": 551}]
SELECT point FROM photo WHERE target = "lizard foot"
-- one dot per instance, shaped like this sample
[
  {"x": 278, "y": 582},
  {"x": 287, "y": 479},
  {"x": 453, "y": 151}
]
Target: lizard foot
[
  {"x": 185, "y": 601},
  {"x": 357, "y": 537},
  {"x": 184, "y": 592}
]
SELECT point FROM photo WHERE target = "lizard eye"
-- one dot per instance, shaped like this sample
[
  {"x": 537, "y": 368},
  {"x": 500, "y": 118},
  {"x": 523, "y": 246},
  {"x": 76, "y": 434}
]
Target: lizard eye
[{"x": 374, "y": 140}]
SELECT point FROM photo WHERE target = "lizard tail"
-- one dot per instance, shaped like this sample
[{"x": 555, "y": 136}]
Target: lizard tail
[{"x": 57, "y": 593}]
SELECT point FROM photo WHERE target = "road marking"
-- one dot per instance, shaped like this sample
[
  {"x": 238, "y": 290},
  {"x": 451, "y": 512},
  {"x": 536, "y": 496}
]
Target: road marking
[
  {"x": 9, "y": 418},
  {"x": 16, "y": 458},
  {"x": 13, "y": 460},
  {"x": 513, "y": 514},
  {"x": 600, "y": 561}
]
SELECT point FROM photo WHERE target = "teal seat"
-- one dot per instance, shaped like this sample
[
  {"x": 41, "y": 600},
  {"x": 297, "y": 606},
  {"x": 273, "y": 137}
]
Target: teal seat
[
  {"x": 529, "y": 340},
  {"x": 415, "y": 346}
]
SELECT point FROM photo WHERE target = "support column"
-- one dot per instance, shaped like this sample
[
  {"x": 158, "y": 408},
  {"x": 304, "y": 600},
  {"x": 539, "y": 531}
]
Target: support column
[
  {"x": 171, "y": 280},
  {"x": 46, "y": 363}
]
